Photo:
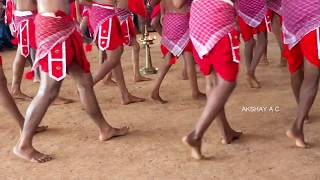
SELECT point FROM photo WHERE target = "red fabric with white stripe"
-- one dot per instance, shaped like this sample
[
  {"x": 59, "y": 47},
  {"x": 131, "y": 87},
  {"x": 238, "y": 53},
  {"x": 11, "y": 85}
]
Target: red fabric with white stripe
[
  {"x": 51, "y": 31},
  {"x": 252, "y": 13},
  {"x": 210, "y": 21},
  {"x": 106, "y": 26},
  {"x": 10, "y": 7},
  {"x": 127, "y": 25},
  {"x": 25, "y": 29}
]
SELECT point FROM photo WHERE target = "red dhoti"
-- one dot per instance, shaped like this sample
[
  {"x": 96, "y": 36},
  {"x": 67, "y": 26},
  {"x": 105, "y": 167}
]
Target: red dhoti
[
  {"x": 127, "y": 26},
  {"x": 176, "y": 35},
  {"x": 301, "y": 22},
  {"x": 106, "y": 26},
  {"x": 253, "y": 18},
  {"x": 216, "y": 43},
  {"x": 308, "y": 48},
  {"x": 59, "y": 45},
  {"x": 25, "y": 29}
]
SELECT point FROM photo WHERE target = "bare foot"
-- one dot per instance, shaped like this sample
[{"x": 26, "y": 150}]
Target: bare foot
[
  {"x": 253, "y": 82},
  {"x": 184, "y": 75},
  {"x": 62, "y": 100},
  {"x": 140, "y": 78},
  {"x": 299, "y": 139},
  {"x": 41, "y": 129},
  {"x": 109, "y": 82},
  {"x": 131, "y": 99},
  {"x": 21, "y": 96},
  {"x": 230, "y": 137},
  {"x": 307, "y": 120},
  {"x": 106, "y": 135},
  {"x": 195, "y": 147},
  {"x": 199, "y": 96},
  {"x": 32, "y": 155},
  {"x": 155, "y": 96},
  {"x": 264, "y": 60}
]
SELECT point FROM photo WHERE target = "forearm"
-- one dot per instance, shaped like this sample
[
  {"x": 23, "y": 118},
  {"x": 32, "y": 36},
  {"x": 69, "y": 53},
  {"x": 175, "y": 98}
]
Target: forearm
[{"x": 155, "y": 2}]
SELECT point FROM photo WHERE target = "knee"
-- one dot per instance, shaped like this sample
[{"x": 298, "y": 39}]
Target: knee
[
  {"x": 49, "y": 95},
  {"x": 250, "y": 42}
]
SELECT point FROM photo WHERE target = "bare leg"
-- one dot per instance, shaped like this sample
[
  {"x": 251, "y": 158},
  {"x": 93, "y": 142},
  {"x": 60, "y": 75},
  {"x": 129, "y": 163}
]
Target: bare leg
[
  {"x": 277, "y": 31},
  {"x": 108, "y": 80},
  {"x": 48, "y": 91},
  {"x": 88, "y": 99},
  {"x": 103, "y": 57},
  {"x": 260, "y": 48},
  {"x": 307, "y": 95},
  {"x": 135, "y": 61},
  {"x": 190, "y": 64},
  {"x": 7, "y": 101},
  {"x": 155, "y": 23},
  {"x": 296, "y": 83},
  {"x": 107, "y": 66},
  {"x": 36, "y": 78},
  {"x": 17, "y": 69},
  {"x": 248, "y": 53},
  {"x": 126, "y": 97},
  {"x": 264, "y": 59},
  {"x": 155, "y": 94},
  {"x": 215, "y": 104},
  {"x": 185, "y": 71},
  {"x": 227, "y": 133}
]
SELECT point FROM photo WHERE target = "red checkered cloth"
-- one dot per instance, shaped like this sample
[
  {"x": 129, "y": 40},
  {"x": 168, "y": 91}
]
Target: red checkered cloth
[
  {"x": 175, "y": 36},
  {"x": 274, "y": 5},
  {"x": 210, "y": 21},
  {"x": 99, "y": 14},
  {"x": 252, "y": 13},
  {"x": 123, "y": 14},
  {"x": 50, "y": 31},
  {"x": 299, "y": 18}
]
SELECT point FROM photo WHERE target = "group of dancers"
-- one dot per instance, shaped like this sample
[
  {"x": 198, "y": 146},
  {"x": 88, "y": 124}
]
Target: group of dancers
[{"x": 203, "y": 32}]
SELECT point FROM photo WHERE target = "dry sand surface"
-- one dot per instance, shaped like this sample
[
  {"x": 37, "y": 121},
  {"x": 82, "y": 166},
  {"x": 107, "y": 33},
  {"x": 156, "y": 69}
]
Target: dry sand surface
[{"x": 153, "y": 150}]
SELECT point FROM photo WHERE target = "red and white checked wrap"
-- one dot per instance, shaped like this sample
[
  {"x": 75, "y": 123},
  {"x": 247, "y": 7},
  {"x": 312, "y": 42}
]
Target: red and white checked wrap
[
  {"x": 274, "y": 5},
  {"x": 22, "y": 24},
  {"x": 52, "y": 29},
  {"x": 209, "y": 22},
  {"x": 123, "y": 14},
  {"x": 175, "y": 34},
  {"x": 252, "y": 13},
  {"x": 299, "y": 18},
  {"x": 99, "y": 14}
]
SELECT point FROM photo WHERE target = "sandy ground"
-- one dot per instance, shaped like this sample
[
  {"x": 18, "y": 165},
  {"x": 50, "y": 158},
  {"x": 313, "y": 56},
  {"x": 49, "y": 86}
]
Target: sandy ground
[{"x": 153, "y": 150}]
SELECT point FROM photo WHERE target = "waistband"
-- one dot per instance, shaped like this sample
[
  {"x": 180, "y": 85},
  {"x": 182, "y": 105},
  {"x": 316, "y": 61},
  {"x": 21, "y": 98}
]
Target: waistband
[
  {"x": 105, "y": 6},
  {"x": 19, "y": 13}
]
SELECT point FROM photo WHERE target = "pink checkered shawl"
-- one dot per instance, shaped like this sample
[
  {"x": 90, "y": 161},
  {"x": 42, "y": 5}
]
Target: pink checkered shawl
[
  {"x": 123, "y": 14},
  {"x": 274, "y": 5},
  {"x": 252, "y": 12},
  {"x": 98, "y": 15},
  {"x": 209, "y": 22},
  {"x": 175, "y": 36},
  {"x": 299, "y": 18}
]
